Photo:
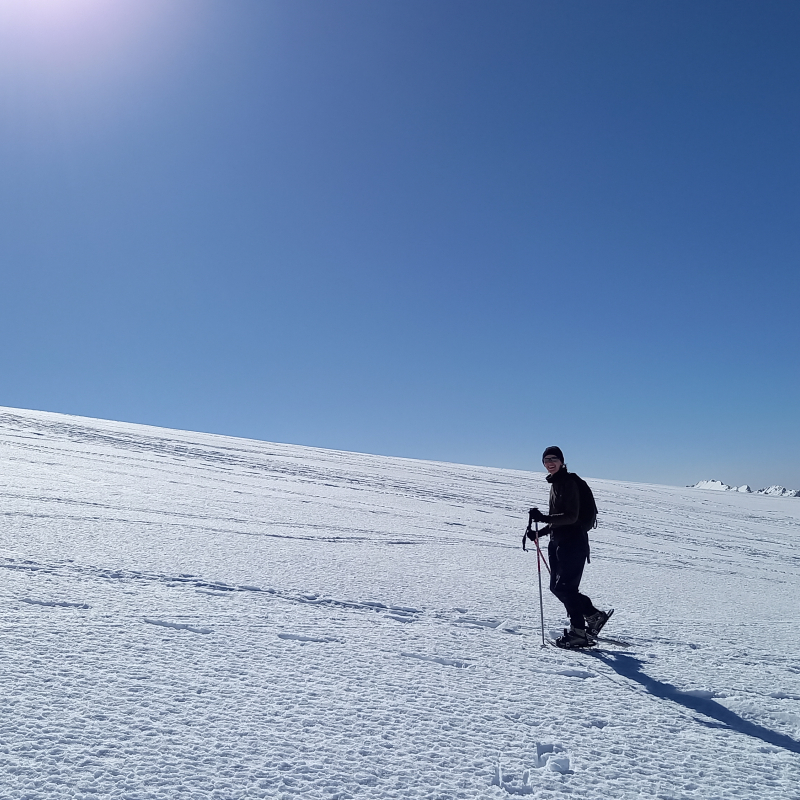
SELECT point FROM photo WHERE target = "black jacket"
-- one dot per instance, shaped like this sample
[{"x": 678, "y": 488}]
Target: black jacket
[{"x": 565, "y": 504}]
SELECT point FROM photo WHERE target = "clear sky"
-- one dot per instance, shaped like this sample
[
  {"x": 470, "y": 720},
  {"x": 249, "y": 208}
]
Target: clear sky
[{"x": 451, "y": 230}]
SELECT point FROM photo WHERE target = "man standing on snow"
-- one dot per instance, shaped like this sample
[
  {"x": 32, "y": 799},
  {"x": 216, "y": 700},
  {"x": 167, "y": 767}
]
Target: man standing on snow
[{"x": 568, "y": 551}]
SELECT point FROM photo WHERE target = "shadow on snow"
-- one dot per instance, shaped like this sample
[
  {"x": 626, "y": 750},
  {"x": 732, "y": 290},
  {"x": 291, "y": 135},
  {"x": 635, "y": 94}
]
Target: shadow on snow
[{"x": 631, "y": 668}]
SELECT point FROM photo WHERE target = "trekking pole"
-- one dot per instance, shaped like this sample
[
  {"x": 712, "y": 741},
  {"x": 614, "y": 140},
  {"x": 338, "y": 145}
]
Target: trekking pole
[
  {"x": 539, "y": 558},
  {"x": 543, "y": 558}
]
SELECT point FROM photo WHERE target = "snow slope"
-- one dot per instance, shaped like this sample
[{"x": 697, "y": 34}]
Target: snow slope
[{"x": 195, "y": 616}]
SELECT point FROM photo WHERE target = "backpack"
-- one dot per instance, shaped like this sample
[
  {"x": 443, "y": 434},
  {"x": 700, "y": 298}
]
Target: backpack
[{"x": 587, "y": 515}]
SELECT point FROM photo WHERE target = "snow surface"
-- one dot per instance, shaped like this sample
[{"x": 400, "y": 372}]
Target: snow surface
[{"x": 195, "y": 616}]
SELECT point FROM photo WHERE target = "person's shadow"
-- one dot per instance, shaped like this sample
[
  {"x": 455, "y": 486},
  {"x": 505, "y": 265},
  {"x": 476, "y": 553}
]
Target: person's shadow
[{"x": 631, "y": 668}]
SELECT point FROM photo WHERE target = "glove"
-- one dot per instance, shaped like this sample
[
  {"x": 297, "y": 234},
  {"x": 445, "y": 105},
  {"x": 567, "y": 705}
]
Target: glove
[{"x": 537, "y": 516}]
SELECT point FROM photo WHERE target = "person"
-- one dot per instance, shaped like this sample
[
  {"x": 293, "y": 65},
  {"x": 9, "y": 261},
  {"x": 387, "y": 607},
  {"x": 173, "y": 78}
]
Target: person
[{"x": 568, "y": 550}]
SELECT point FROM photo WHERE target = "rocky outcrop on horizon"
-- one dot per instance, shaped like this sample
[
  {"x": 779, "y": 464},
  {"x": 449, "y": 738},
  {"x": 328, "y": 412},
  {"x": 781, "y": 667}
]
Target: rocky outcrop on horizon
[
  {"x": 779, "y": 491},
  {"x": 772, "y": 491}
]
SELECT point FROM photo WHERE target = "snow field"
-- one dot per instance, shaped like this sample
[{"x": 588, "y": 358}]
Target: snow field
[{"x": 194, "y": 616}]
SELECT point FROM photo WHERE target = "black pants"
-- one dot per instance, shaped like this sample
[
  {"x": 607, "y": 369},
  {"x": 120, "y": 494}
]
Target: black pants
[{"x": 566, "y": 569}]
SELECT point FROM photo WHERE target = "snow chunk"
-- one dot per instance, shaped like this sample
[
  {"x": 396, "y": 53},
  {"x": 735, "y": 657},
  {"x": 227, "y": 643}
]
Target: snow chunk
[
  {"x": 559, "y": 764},
  {"x": 703, "y": 694}
]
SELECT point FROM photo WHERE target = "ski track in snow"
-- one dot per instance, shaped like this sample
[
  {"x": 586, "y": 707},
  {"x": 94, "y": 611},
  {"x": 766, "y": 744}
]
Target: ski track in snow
[{"x": 194, "y": 616}]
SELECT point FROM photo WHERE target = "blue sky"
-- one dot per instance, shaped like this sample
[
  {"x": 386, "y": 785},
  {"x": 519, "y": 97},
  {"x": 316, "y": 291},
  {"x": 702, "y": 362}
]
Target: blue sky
[{"x": 450, "y": 230}]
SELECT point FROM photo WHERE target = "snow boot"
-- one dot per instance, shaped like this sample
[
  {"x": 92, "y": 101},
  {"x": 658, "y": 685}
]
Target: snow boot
[
  {"x": 573, "y": 638},
  {"x": 596, "y": 622}
]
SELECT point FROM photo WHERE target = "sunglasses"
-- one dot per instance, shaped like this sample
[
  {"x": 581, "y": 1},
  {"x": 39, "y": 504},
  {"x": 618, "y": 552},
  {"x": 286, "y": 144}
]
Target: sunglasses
[{"x": 550, "y": 460}]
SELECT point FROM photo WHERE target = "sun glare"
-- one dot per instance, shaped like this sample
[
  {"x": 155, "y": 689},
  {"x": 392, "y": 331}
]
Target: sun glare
[
  {"x": 64, "y": 20},
  {"x": 68, "y": 34},
  {"x": 75, "y": 45}
]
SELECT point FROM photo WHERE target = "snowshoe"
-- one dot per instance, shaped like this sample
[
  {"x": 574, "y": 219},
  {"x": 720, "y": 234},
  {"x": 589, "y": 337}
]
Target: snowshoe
[
  {"x": 573, "y": 638},
  {"x": 596, "y": 622}
]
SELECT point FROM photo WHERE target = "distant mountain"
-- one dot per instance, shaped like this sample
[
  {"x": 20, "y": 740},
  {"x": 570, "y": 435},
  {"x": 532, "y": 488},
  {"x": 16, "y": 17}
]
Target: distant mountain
[
  {"x": 779, "y": 491},
  {"x": 772, "y": 491}
]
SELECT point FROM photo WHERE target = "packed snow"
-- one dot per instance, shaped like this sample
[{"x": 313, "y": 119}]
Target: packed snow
[{"x": 194, "y": 616}]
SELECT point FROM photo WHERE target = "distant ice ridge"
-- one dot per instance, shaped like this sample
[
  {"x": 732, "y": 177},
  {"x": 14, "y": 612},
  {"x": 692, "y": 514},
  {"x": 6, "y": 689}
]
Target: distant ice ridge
[
  {"x": 780, "y": 491},
  {"x": 718, "y": 485},
  {"x": 773, "y": 491}
]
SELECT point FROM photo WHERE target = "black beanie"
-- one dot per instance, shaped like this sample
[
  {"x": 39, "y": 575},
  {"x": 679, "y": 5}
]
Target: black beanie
[{"x": 553, "y": 451}]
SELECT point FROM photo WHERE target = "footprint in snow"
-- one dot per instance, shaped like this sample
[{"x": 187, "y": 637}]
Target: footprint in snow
[
  {"x": 576, "y": 673},
  {"x": 509, "y": 784},
  {"x": 397, "y": 613},
  {"x": 502, "y": 625},
  {"x": 548, "y": 756},
  {"x": 296, "y": 637},
  {"x": 53, "y": 603},
  {"x": 178, "y": 626},
  {"x": 445, "y": 662}
]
